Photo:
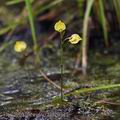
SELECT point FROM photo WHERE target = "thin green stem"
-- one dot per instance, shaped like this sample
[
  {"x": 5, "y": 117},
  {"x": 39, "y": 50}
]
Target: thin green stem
[
  {"x": 31, "y": 20},
  {"x": 66, "y": 39},
  {"x": 61, "y": 64}
]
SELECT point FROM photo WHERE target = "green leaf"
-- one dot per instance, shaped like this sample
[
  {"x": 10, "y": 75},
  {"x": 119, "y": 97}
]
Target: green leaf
[
  {"x": 102, "y": 87},
  {"x": 31, "y": 21},
  {"x": 85, "y": 30},
  {"x": 12, "y": 2},
  {"x": 103, "y": 21},
  {"x": 86, "y": 90},
  {"x": 116, "y": 4},
  {"x": 4, "y": 30},
  {"x": 52, "y": 4}
]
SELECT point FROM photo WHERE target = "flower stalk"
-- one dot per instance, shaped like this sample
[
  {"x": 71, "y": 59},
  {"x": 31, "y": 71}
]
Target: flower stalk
[
  {"x": 61, "y": 64},
  {"x": 73, "y": 39}
]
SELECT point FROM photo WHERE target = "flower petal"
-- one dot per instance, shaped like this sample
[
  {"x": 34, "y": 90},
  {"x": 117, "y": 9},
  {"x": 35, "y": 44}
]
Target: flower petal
[
  {"x": 20, "y": 46},
  {"x": 74, "y": 39},
  {"x": 60, "y": 26}
]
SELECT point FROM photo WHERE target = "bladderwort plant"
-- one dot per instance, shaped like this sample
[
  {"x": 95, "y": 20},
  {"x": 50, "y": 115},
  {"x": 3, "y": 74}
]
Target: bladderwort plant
[
  {"x": 20, "y": 46},
  {"x": 73, "y": 39}
]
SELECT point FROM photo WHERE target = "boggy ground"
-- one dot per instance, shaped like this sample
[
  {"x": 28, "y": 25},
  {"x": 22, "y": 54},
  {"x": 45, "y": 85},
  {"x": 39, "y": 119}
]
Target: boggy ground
[
  {"x": 26, "y": 95},
  {"x": 25, "y": 99},
  {"x": 64, "y": 113}
]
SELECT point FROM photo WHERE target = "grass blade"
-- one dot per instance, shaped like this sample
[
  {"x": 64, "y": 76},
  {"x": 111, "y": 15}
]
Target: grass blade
[
  {"x": 87, "y": 90},
  {"x": 102, "y": 87},
  {"x": 103, "y": 21},
  {"x": 116, "y": 4},
  {"x": 52, "y": 4},
  {"x": 4, "y": 30},
  {"x": 31, "y": 20},
  {"x": 12, "y": 2},
  {"x": 85, "y": 29},
  {"x": 80, "y": 5}
]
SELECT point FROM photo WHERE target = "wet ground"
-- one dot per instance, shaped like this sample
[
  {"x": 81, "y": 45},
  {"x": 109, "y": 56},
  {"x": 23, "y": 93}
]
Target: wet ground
[{"x": 26, "y": 95}]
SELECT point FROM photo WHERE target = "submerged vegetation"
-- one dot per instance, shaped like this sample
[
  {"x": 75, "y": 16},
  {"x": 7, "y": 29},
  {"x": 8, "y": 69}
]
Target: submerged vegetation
[{"x": 69, "y": 68}]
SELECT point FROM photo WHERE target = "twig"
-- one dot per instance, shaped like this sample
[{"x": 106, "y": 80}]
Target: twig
[
  {"x": 106, "y": 102},
  {"x": 49, "y": 80}
]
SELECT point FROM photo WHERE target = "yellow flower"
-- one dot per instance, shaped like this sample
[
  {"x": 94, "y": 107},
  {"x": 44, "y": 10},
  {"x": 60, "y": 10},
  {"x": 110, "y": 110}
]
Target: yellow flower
[
  {"x": 74, "y": 39},
  {"x": 20, "y": 46},
  {"x": 60, "y": 26}
]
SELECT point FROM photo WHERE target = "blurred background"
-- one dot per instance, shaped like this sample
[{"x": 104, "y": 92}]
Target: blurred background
[
  {"x": 97, "y": 56},
  {"x": 97, "y": 21}
]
